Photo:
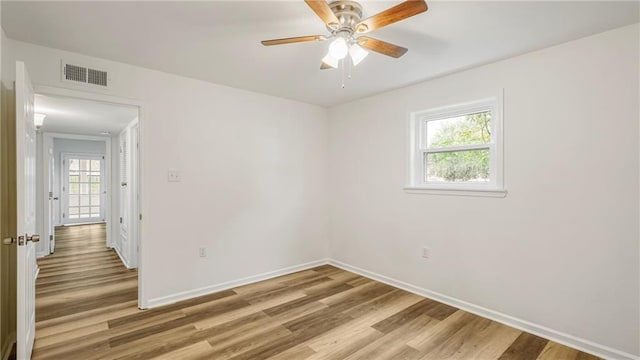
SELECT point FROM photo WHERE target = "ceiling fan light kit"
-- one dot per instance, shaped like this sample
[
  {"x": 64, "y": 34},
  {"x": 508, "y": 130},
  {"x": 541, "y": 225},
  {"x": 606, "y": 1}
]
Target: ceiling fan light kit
[{"x": 343, "y": 19}]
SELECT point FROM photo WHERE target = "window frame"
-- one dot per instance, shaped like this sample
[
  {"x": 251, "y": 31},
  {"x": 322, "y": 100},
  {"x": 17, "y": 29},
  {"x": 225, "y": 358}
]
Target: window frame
[
  {"x": 64, "y": 174},
  {"x": 417, "y": 149}
]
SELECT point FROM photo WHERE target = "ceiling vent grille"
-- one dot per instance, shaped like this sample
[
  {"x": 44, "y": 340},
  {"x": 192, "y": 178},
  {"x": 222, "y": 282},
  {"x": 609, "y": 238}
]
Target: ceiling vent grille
[
  {"x": 84, "y": 75},
  {"x": 97, "y": 77},
  {"x": 75, "y": 73}
]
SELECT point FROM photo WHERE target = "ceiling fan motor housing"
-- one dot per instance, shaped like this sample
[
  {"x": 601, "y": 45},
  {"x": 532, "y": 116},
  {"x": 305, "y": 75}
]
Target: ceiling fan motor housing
[{"x": 349, "y": 13}]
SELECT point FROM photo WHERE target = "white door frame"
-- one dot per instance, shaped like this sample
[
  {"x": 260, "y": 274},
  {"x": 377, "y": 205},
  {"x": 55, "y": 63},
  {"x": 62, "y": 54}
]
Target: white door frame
[
  {"x": 47, "y": 140},
  {"x": 140, "y": 229}
]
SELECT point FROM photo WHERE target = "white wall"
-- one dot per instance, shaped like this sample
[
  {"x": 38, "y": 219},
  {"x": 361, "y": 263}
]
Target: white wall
[
  {"x": 562, "y": 249},
  {"x": 253, "y": 167}
]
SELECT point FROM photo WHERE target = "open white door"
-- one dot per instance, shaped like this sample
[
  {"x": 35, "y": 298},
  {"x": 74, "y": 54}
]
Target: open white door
[
  {"x": 52, "y": 202},
  {"x": 26, "y": 213}
]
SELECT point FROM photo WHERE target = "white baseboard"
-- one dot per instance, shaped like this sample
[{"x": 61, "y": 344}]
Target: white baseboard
[
  {"x": 124, "y": 261},
  {"x": 185, "y": 295},
  {"x": 539, "y": 330},
  {"x": 7, "y": 346},
  {"x": 122, "y": 258}
]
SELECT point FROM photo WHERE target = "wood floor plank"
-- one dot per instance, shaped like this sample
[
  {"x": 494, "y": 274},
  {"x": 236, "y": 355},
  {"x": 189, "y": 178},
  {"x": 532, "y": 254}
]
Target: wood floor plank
[
  {"x": 299, "y": 352},
  {"x": 555, "y": 351},
  {"x": 198, "y": 350},
  {"x": 525, "y": 347},
  {"x": 86, "y": 309},
  {"x": 394, "y": 342}
]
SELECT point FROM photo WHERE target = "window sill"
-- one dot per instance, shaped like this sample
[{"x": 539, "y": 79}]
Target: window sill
[{"x": 479, "y": 192}]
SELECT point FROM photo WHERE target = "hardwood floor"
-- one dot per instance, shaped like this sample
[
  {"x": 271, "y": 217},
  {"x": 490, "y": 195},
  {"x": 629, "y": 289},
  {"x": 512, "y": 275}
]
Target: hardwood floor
[{"x": 86, "y": 309}]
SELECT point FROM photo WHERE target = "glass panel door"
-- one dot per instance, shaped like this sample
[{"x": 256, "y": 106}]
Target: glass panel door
[{"x": 84, "y": 179}]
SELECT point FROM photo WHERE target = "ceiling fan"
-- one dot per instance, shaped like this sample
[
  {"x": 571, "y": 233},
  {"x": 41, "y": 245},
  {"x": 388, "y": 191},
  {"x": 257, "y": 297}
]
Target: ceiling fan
[{"x": 343, "y": 19}]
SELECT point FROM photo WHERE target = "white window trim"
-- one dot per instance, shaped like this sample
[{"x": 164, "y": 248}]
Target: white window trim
[
  {"x": 416, "y": 132},
  {"x": 65, "y": 193}
]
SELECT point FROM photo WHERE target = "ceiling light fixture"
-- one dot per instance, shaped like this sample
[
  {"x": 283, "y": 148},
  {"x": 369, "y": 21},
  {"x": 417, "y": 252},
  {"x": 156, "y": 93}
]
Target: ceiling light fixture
[
  {"x": 38, "y": 120},
  {"x": 346, "y": 24},
  {"x": 357, "y": 54},
  {"x": 331, "y": 61},
  {"x": 338, "y": 48}
]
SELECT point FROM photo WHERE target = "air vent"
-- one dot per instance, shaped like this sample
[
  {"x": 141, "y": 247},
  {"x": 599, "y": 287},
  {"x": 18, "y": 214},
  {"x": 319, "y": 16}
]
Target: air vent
[
  {"x": 84, "y": 75},
  {"x": 97, "y": 77},
  {"x": 75, "y": 73}
]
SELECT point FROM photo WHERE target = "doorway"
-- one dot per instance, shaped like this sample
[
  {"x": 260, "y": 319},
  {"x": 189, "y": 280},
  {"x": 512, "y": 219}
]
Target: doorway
[{"x": 81, "y": 168}]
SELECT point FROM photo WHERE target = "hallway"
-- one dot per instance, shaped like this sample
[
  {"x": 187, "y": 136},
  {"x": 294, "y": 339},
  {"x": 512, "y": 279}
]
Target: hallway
[{"x": 79, "y": 287}]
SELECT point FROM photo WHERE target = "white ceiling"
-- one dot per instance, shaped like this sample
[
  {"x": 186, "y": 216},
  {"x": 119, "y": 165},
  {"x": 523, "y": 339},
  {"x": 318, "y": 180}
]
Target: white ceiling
[
  {"x": 74, "y": 116},
  {"x": 219, "y": 41}
]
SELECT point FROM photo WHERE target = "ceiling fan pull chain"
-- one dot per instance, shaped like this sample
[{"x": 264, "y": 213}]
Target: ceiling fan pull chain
[
  {"x": 342, "y": 71},
  {"x": 350, "y": 65}
]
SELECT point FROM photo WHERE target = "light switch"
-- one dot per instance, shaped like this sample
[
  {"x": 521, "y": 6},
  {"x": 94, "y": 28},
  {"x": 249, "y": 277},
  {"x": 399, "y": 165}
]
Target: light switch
[{"x": 174, "y": 176}]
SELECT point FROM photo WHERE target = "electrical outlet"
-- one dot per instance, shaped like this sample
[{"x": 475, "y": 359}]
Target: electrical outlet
[
  {"x": 174, "y": 176},
  {"x": 426, "y": 252},
  {"x": 202, "y": 252}
]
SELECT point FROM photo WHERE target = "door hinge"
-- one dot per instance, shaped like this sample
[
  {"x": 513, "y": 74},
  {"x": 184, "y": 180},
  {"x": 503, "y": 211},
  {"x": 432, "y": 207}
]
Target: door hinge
[
  {"x": 103, "y": 158},
  {"x": 140, "y": 217},
  {"x": 63, "y": 215},
  {"x": 50, "y": 237},
  {"x": 64, "y": 189},
  {"x": 121, "y": 220}
]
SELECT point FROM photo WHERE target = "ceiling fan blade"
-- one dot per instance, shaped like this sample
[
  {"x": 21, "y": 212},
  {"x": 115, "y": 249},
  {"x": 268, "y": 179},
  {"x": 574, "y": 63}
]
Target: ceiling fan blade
[
  {"x": 325, "y": 66},
  {"x": 397, "y": 13},
  {"x": 381, "y": 47},
  {"x": 322, "y": 9},
  {"x": 292, "y": 40}
]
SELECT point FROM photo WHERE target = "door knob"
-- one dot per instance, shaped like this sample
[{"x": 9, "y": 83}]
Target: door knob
[
  {"x": 8, "y": 241},
  {"x": 25, "y": 239},
  {"x": 55, "y": 198}
]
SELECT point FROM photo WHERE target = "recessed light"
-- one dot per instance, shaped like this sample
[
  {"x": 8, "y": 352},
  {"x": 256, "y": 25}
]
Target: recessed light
[{"x": 105, "y": 133}]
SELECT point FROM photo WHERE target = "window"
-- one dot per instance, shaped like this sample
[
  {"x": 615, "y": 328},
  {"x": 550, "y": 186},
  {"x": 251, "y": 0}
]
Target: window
[
  {"x": 457, "y": 149},
  {"x": 84, "y": 194}
]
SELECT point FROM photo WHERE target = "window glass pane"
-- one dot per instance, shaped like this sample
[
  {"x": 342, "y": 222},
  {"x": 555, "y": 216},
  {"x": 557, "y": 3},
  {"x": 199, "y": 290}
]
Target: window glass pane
[
  {"x": 84, "y": 200},
  {"x": 95, "y": 211},
  {"x": 95, "y": 200},
  {"x": 84, "y": 215},
  {"x": 84, "y": 176},
  {"x": 73, "y": 216},
  {"x": 74, "y": 211},
  {"x": 84, "y": 210},
  {"x": 74, "y": 188},
  {"x": 73, "y": 200},
  {"x": 73, "y": 164},
  {"x": 458, "y": 166},
  {"x": 84, "y": 188},
  {"x": 74, "y": 178},
  {"x": 95, "y": 165},
  {"x": 470, "y": 129},
  {"x": 95, "y": 188},
  {"x": 84, "y": 164},
  {"x": 95, "y": 179}
]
